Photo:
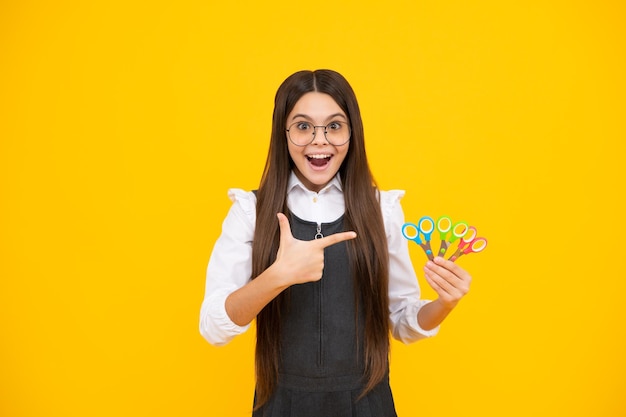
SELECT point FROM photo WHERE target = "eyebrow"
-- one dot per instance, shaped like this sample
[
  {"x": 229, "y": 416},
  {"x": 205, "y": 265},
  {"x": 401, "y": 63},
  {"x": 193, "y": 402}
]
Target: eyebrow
[{"x": 332, "y": 116}]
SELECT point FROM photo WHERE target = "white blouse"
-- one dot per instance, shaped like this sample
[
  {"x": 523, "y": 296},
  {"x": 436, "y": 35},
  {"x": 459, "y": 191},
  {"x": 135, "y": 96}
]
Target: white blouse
[{"x": 230, "y": 265}]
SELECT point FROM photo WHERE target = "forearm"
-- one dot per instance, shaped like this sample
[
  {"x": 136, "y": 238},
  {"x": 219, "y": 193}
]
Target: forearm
[
  {"x": 244, "y": 304},
  {"x": 433, "y": 314},
  {"x": 296, "y": 262}
]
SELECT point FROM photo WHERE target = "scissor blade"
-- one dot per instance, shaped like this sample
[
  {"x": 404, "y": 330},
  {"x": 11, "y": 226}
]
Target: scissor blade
[
  {"x": 443, "y": 248},
  {"x": 456, "y": 255},
  {"x": 427, "y": 250}
]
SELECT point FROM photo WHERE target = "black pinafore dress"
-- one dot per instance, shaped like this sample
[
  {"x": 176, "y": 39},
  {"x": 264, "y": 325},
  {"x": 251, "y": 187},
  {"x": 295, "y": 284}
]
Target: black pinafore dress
[{"x": 322, "y": 365}]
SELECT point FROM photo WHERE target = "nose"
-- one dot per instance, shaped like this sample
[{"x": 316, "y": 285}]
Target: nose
[{"x": 319, "y": 138}]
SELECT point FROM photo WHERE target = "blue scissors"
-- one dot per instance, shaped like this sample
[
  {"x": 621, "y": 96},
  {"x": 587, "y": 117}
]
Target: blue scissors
[{"x": 426, "y": 227}]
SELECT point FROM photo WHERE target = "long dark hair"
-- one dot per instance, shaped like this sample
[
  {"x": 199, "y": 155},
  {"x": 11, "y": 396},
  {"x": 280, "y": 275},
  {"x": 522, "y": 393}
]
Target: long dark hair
[{"x": 368, "y": 253}]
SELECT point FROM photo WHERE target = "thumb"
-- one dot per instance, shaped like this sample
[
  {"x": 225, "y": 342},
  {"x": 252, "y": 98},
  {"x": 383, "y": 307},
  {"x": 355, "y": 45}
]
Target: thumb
[{"x": 285, "y": 229}]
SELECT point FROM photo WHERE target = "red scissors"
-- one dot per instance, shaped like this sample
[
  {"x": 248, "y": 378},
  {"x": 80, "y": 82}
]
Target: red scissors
[{"x": 469, "y": 243}]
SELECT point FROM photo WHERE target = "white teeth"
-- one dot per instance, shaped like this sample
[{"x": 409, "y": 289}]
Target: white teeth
[{"x": 319, "y": 156}]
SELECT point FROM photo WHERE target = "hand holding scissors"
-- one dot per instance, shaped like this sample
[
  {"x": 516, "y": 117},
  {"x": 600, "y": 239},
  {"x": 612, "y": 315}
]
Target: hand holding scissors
[
  {"x": 444, "y": 225},
  {"x": 469, "y": 244},
  {"x": 425, "y": 226}
]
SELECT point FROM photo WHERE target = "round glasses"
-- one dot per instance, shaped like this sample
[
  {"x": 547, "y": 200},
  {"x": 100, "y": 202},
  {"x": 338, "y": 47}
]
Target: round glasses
[{"x": 303, "y": 133}]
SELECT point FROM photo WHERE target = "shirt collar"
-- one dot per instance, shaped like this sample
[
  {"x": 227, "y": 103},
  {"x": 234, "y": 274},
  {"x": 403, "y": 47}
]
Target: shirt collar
[{"x": 294, "y": 182}]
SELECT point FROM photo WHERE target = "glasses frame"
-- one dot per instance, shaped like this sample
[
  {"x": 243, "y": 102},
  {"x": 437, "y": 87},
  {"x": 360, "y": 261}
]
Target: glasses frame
[{"x": 315, "y": 132}]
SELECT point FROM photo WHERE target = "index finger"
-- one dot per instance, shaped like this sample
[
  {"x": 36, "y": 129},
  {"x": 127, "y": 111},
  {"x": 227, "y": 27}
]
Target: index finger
[{"x": 336, "y": 238}]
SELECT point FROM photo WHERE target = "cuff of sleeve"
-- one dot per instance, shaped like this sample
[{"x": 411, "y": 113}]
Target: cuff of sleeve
[
  {"x": 216, "y": 327},
  {"x": 415, "y": 324},
  {"x": 408, "y": 330}
]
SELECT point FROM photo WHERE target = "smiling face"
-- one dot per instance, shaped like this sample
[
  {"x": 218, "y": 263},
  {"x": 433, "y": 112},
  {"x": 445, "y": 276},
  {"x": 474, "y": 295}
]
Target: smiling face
[{"x": 318, "y": 162}]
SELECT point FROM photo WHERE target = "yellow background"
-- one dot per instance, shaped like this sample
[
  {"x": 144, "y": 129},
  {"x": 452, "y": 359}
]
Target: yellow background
[{"x": 122, "y": 125}]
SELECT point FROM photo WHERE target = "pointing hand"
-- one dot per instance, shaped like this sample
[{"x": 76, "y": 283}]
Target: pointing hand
[{"x": 302, "y": 261}]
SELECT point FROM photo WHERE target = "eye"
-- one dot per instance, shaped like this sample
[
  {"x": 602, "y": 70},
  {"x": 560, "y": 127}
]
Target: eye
[
  {"x": 334, "y": 126},
  {"x": 303, "y": 126}
]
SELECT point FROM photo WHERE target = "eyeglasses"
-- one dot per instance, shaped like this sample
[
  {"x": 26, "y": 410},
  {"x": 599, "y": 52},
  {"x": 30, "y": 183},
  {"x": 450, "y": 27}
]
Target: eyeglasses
[{"x": 303, "y": 133}]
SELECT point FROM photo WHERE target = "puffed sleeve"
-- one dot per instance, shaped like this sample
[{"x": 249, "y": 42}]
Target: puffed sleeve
[
  {"x": 404, "y": 290},
  {"x": 229, "y": 268}
]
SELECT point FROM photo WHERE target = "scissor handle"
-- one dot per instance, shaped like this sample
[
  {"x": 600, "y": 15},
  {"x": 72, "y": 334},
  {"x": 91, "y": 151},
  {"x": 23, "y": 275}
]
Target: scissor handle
[
  {"x": 414, "y": 238},
  {"x": 469, "y": 236},
  {"x": 426, "y": 226},
  {"x": 466, "y": 246},
  {"x": 444, "y": 224},
  {"x": 459, "y": 230},
  {"x": 465, "y": 241},
  {"x": 477, "y": 245}
]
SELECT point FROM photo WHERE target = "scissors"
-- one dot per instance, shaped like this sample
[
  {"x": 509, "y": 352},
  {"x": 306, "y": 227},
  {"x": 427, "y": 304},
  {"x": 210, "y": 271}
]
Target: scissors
[
  {"x": 469, "y": 244},
  {"x": 425, "y": 226},
  {"x": 444, "y": 225}
]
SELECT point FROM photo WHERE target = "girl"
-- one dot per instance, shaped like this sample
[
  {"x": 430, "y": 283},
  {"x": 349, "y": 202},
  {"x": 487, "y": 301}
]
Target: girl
[{"x": 317, "y": 257}]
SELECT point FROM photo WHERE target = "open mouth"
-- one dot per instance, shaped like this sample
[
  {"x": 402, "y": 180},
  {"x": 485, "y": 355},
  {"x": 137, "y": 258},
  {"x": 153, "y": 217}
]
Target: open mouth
[{"x": 319, "y": 161}]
